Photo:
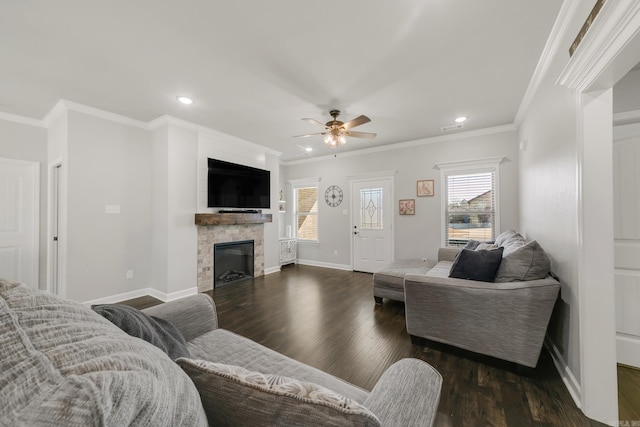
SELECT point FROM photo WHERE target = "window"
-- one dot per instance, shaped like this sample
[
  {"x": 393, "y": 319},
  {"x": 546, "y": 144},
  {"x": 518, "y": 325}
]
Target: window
[
  {"x": 470, "y": 202},
  {"x": 305, "y": 209}
]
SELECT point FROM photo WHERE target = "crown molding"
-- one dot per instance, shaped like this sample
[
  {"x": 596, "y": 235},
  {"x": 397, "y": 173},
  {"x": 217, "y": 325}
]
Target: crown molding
[
  {"x": 468, "y": 164},
  {"x": 615, "y": 26},
  {"x": 408, "y": 144},
  {"x": 15, "y": 118},
  {"x": 551, "y": 48},
  {"x": 65, "y": 105}
]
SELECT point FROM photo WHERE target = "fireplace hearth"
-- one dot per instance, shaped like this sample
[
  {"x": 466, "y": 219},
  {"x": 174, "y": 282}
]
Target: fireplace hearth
[{"x": 232, "y": 262}]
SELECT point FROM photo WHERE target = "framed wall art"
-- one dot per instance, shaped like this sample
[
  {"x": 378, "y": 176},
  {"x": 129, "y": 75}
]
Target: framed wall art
[
  {"x": 425, "y": 188},
  {"x": 408, "y": 207}
]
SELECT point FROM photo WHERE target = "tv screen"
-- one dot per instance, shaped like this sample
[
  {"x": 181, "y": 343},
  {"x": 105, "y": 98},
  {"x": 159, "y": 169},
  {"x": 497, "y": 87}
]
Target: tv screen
[{"x": 236, "y": 186}]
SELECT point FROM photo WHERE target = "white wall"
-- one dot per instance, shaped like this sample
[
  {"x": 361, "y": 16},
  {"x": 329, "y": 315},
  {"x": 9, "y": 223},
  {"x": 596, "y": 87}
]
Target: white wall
[
  {"x": 419, "y": 235},
  {"x": 626, "y": 93},
  {"x": 566, "y": 204},
  {"x": 108, "y": 164},
  {"x": 25, "y": 142}
]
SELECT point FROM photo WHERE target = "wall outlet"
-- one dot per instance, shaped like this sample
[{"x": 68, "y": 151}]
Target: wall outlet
[
  {"x": 129, "y": 274},
  {"x": 335, "y": 252}
]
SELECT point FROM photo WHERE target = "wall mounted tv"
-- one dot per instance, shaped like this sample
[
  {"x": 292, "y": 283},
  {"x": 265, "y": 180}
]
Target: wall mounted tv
[{"x": 230, "y": 185}]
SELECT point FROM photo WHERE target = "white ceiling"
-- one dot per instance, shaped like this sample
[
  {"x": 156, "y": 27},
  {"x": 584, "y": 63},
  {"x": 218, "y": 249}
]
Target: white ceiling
[{"x": 255, "y": 68}]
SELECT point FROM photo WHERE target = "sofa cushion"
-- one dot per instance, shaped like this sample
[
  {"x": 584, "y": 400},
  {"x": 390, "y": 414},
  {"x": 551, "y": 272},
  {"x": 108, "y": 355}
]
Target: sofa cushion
[
  {"x": 232, "y": 395},
  {"x": 502, "y": 237},
  {"x": 62, "y": 364},
  {"x": 480, "y": 265},
  {"x": 512, "y": 243},
  {"x": 222, "y": 346},
  {"x": 525, "y": 262},
  {"x": 153, "y": 330}
]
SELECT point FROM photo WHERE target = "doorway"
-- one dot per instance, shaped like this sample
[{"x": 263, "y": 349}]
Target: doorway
[
  {"x": 371, "y": 224},
  {"x": 19, "y": 221}
]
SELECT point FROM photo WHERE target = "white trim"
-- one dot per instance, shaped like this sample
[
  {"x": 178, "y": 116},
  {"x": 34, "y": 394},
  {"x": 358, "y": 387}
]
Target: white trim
[
  {"x": 569, "y": 380},
  {"x": 271, "y": 270},
  {"x": 407, "y": 144},
  {"x": 324, "y": 264},
  {"x": 628, "y": 350},
  {"x": 305, "y": 182},
  {"x": 615, "y": 27},
  {"x": 162, "y": 296},
  {"x": 551, "y": 48},
  {"x": 484, "y": 163},
  {"x": 21, "y": 119},
  {"x": 626, "y": 272},
  {"x": 66, "y": 105},
  {"x": 372, "y": 176},
  {"x": 626, "y": 118},
  {"x": 488, "y": 164}
]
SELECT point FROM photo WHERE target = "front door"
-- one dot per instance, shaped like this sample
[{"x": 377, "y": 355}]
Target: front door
[
  {"x": 19, "y": 218},
  {"x": 372, "y": 224}
]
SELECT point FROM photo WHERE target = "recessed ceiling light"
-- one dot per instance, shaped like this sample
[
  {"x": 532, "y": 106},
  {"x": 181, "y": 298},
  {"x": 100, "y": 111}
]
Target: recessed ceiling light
[
  {"x": 185, "y": 100},
  {"x": 461, "y": 119},
  {"x": 308, "y": 149}
]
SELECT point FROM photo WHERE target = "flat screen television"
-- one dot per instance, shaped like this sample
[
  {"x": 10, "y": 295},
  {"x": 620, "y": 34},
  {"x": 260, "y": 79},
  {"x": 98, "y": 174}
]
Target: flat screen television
[{"x": 230, "y": 185}]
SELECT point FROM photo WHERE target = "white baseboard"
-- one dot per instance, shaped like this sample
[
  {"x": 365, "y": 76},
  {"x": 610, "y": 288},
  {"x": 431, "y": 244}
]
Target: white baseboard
[
  {"x": 569, "y": 380},
  {"x": 325, "y": 264},
  {"x": 271, "y": 270},
  {"x": 162, "y": 296},
  {"x": 628, "y": 349}
]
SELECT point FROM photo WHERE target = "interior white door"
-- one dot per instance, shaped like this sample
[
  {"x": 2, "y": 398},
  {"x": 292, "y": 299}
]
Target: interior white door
[
  {"x": 626, "y": 197},
  {"x": 372, "y": 224},
  {"x": 19, "y": 193}
]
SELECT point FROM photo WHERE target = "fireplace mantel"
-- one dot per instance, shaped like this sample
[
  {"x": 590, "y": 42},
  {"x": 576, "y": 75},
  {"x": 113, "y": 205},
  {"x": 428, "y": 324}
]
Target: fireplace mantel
[{"x": 208, "y": 219}]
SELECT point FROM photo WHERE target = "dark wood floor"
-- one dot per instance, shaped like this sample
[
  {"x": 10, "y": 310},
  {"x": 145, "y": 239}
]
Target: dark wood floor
[{"x": 327, "y": 318}]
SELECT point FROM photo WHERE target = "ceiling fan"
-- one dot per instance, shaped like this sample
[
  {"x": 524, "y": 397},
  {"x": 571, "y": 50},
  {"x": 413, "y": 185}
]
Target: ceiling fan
[{"x": 336, "y": 132}]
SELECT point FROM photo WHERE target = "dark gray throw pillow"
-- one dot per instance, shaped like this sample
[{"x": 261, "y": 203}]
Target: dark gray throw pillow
[
  {"x": 481, "y": 265},
  {"x": 159, "y": 332}
]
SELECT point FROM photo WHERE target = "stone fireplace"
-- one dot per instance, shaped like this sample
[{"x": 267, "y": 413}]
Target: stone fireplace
[{"x": 224, "y": 228}]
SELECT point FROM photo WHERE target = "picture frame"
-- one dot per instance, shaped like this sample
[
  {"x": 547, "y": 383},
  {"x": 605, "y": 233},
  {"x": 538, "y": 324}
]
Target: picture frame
[
  {"x": 407, "y": 207},
  {"x": 425, "y": 188}
]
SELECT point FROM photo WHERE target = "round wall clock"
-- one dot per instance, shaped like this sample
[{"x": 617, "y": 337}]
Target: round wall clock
[{"x": 333, "y": 196}]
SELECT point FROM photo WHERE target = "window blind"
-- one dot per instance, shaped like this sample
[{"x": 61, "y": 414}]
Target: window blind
[{"x": 470, "y": 208}]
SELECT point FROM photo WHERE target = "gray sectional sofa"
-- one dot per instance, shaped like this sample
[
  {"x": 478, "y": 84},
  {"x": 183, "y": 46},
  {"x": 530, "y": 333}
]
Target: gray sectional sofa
[
  {"x": 506, "y": 318},
  {"x": 63, "y": 364}
]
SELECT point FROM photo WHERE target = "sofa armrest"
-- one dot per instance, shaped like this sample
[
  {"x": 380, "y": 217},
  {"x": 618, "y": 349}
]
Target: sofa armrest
[
  {"x": 193, "y": 315},
  {"x": 447, "y": 254},
  {"x": 407, "y": 394}
]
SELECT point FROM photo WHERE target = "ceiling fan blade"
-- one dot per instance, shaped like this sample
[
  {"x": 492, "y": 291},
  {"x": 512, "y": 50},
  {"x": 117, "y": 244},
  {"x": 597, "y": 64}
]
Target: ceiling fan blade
[
  {"x": 309, "y": 134},
  {"x": 360, "y": 120},
  {"x": 365, "y": 135},
  {"x": 314, "y": 121}
]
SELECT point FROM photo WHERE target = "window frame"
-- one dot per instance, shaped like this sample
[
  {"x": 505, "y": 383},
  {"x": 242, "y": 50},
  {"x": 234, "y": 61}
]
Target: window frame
[
  {"x": 467, "y": 167},
  {"x": 297, "y": 184}
]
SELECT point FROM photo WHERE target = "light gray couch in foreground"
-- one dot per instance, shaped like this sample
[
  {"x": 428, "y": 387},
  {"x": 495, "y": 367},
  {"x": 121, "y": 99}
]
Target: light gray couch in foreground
[
  {"x": 62, "y": 364},
  {"x": 506, "y": 319}
]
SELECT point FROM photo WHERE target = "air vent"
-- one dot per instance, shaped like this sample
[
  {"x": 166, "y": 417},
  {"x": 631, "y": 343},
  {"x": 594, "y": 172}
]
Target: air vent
[{"x": 452, "y": 127}]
